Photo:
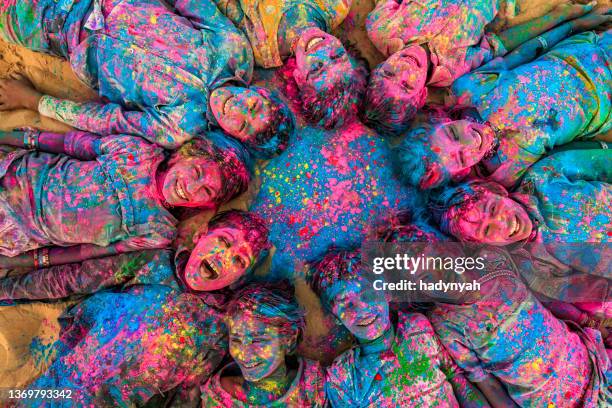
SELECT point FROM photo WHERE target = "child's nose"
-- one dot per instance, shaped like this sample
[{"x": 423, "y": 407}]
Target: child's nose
[
  {"x": 239, "y": 352},
  {"x": 499, "y": 219},
  {"x": 195, "y": 188},
  {"x": 219, "y": 257},
  {"x": 226, "y": 259},
  {"x": 500, "y": 225}
]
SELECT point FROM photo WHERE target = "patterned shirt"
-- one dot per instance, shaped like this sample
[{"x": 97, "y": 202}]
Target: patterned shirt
[
  {"x": 121, "y": 347},
  {"x": 561, "y": 96},
  {"x": 306, "y": 390},
  {"x": 509, "y": 335},
  {"x": 60, "y": 200},
  {"x": 152, "y": 65},
  {"x": 413, "y": 372},
  {"x": 568, "y": 196}
]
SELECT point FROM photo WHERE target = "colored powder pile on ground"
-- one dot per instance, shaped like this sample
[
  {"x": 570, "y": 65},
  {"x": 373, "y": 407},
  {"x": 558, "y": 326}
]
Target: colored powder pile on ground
[{"x": 328, "y": 189}]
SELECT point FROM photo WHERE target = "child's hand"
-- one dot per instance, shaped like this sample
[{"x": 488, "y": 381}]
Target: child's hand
[
  {"x": 18, "y": 92},
  {"x": 598, "y": 17},
  {"x": 570, "y": 11}
]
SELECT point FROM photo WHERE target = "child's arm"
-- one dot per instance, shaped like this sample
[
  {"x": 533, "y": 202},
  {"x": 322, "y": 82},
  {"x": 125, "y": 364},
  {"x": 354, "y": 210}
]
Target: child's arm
[
  {"x": 51, "y": 256},
  {"x": 531, "y": 49},
  {"x": 568, "y": 311},
  {"x": 521, "y": 33},
  {"x": 158, "y": 125},
  {"x": 573, "y": 166},
  {"x": 495, "y": 393},
  {"x": 460, "y": 363},
  {"x": 467, "y": 394},
  {"x": 81, "y": 145},
  {"x": 57, "y": 282}
]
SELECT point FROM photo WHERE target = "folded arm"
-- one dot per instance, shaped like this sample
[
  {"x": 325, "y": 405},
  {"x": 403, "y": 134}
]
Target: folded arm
[
  {"x": 495, "y": 393},
  {"x": 521, "y": 33},
  {"x": 527, "y": 51},
  {"x": 158, "y": 125},
  {"x": 467, "y": 393},
  {"x": 467, "y": 359},
  {"x": 80, "y": 145},
  {"x": 574, "y": 166},
  {"x": 61, "y": 281}
]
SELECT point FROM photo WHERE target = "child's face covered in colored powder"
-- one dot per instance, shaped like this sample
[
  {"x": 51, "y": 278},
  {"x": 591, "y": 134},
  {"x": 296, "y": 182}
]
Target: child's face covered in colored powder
[
  {"x": 362, "y": 310},
  {"x": 192, "y": 182},
  {"x": 461, "y": 144},
  {"x": 241, "y": 112},
  {"x": 220, "y": 258},
  {"x": 494, "y": 219},
  {"x": 403, "y": 75},
  {"x": 321, "y": 60},
  {"x": 258, "y": 348}
]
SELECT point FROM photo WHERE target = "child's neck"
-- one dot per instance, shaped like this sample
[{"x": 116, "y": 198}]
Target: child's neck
[
  {"x": 270, "y": 388},
  {"x": 492, "y": 160},
  {"x": 379, "y": 344}
]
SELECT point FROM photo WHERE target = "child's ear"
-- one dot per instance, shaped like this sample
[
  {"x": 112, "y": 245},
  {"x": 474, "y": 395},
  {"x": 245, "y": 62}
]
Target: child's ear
[
  {"x": 198, "y": 235},
  {"x": 462, "y": 174},
  {"x": 422, "y": 98},
  {"x": 292, "y": 342},
  {"x": 431, "y": 179},
  {"x": 298, "y": 76}
]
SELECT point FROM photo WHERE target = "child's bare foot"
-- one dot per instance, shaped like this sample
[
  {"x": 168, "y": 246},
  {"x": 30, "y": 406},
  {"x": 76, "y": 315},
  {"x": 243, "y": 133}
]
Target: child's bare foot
[{"x": 18, "y": 92}]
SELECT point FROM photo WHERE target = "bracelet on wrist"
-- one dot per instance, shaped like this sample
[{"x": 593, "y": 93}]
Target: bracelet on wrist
[
  {"x": 35, "y": 257},
  {"x": 26, "y": 139},
  {"x": 41, "y": 258},
  {"x": 44, "y": 257},
  {"x": 542, "y": 42},
  {"x": 30, "y": 139}
]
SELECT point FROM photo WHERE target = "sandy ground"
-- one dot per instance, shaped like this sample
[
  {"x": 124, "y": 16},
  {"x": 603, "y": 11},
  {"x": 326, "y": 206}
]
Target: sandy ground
[
  {"x": 53, "y": 76},
  {"x": 50, "y": 75}
]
